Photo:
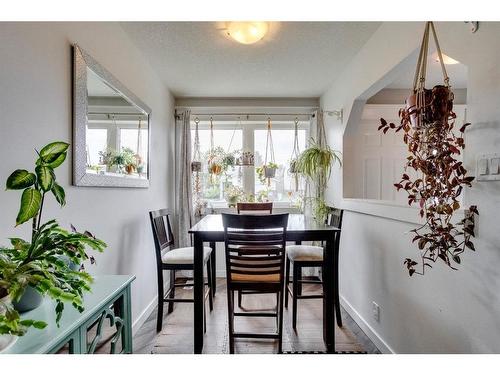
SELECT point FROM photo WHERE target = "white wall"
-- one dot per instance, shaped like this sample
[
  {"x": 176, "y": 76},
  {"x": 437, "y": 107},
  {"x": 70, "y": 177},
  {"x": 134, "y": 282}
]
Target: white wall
[
  {"x": 36, "y": 108},
  {"x": 445, "y": 310}
]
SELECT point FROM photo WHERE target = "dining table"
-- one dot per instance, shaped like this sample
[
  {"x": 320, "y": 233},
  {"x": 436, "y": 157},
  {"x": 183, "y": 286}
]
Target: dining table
[{"x": 300, "y": 228}]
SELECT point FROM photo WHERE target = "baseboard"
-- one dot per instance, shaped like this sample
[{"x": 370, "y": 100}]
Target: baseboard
[
  {"x": 144, "y": 315},
  {"x": 367, "y": 329}
]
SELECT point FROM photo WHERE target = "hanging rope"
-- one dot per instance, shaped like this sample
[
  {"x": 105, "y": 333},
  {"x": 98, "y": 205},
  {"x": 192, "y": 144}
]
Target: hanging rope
[
  {"x": 196, "y": 154},
  {"x": 269, "y": 143},
  {"x": 296, "y": 150}
]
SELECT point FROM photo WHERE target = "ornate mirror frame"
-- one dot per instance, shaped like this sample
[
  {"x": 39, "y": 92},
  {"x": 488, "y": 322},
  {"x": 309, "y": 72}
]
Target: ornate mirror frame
[{"x": 81, "y": 61}]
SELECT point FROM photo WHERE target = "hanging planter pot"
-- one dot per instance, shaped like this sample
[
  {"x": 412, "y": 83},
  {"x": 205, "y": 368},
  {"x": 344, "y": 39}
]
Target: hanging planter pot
[
  {"x": 196, "y": 166},
  {"x": 293, "y": 167},
  {"x": 246, "y": 159},
  {"x": 269, "y": 171},
  {"x": 215, "y": 168}
]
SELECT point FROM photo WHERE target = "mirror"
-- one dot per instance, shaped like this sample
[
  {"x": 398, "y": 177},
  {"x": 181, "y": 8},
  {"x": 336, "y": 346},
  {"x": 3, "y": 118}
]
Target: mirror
[{"x": 111, "y": 134}]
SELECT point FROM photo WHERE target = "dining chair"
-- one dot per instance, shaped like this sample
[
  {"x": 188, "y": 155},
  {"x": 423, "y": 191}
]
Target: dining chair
[
  {"x": 169, "y": 258},
  {"x": 253, "y": 208},
  {"x": 255, "y": 261},
  {"x": 301, "y": 256}
]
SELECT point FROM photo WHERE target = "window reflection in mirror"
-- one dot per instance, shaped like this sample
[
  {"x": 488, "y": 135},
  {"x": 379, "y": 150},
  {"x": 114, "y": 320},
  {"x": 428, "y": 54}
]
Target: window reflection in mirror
[{"x": 116, "y": 133}]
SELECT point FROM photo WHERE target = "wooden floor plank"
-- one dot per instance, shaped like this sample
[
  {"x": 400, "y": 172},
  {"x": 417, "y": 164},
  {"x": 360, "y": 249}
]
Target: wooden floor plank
[{"x": 177, "y": 332}]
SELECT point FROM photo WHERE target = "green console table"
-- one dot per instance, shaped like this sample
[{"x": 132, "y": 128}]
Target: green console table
[{"x": 108, "y": 303}]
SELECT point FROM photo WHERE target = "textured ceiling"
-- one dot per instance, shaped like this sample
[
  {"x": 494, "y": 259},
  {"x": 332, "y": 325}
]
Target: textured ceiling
[{"x": 295, "y": 59}]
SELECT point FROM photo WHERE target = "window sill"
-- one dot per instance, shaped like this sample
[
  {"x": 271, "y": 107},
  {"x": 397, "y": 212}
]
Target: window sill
[{"x": 389, "y": 210}]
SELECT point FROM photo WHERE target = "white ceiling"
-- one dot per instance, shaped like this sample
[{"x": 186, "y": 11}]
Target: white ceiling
[{"x": 295, "y": 59}]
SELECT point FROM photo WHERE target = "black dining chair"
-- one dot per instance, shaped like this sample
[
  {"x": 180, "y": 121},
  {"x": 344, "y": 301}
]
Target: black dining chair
[
  {"x": 301, "y": 256},
  {"x": 255, "y": 261},
  {"x": 169, "y": 258},
  {"x": 253, "y": 208}
]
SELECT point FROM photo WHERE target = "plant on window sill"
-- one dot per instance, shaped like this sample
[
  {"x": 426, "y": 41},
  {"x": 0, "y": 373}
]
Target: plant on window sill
[{"x": 45, "y": 263}]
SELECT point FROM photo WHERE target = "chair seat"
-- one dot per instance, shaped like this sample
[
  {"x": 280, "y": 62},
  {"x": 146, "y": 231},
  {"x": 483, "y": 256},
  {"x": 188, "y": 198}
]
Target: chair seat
[
  {"x": 304, "y": 253},
  {"x": 271, "y": 278},
  {"x": 184, "y": 255}
]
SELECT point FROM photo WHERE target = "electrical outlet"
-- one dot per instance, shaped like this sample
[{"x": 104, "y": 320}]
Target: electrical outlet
[{"x": 375, "y": 311}]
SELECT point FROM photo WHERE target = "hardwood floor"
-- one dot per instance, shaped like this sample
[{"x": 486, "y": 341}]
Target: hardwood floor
[{"x": 177, "y": 333}]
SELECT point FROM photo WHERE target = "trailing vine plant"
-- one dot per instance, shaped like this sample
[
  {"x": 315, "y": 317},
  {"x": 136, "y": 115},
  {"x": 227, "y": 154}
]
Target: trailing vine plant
[{"x": 428, "y": 123}]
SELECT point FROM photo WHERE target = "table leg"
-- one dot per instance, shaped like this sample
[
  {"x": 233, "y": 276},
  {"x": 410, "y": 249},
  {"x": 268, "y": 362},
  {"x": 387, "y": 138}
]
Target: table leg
[
  {"x": 214, "y": 267},
  {"x": 329, "y": 288},
  {"x": 198, "y": 294}
]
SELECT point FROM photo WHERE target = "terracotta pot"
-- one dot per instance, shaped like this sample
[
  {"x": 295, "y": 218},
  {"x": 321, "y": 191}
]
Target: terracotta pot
[
  {"x": 215, "y": 168},
  {"x": 438, "y": 104},
  {"x": 129, "y": 169}
]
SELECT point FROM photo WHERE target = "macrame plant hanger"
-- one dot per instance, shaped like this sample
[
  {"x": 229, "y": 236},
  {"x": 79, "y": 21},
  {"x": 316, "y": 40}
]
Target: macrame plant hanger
[
  {"x": 196, "y": 168},
  {"x": 295, "y": 154},
  {"x": 269, "y": 171},
  {"x": 422, "y": 102}
]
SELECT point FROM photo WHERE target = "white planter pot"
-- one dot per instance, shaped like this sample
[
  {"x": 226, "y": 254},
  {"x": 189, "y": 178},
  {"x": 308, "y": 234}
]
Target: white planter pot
[{"x": 6, "y": 341}]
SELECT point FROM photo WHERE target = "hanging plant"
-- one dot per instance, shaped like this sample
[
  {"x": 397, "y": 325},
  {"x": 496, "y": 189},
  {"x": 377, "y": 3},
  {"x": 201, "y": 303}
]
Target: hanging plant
[
  {"x": 295, "y": 155},
  {"x": 196, "y": 169},
  {"x": 428, "y": 121},
  {"x": 269, "y": 168}
]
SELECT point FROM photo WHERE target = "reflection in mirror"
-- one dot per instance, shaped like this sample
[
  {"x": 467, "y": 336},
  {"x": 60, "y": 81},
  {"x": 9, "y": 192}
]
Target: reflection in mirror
[
  {"x": 373, "y": 162},
  {"x": 111, "y": 129},
  {"x": 117, "y": 132}
]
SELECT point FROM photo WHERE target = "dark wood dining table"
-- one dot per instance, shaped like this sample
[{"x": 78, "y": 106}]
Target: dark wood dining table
[{"x": 300, "y": 228}]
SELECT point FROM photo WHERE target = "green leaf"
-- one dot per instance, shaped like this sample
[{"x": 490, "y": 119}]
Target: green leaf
[
  {"x": 53, "y": 151},
  {"x": 46, "y": 177},
  {"x": 59, "y": 194},
  {"x": 56, "y": 163},
  {"x": 39, "y": 324},
  {"x": 20, "y": 179},
  {"x": 30, "y": 204}
]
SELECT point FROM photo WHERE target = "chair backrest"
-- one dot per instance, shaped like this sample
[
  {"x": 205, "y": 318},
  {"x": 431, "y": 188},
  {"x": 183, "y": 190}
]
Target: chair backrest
[
  {"x": 335, "y": 217},
  {"x": 162, "y": 232},
  {"x": 253, "y": 206},
  {"x": 255, "y": 248}
]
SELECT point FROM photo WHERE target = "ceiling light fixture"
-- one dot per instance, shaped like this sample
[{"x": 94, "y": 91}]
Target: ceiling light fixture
[{"x": 247, "y": 32}]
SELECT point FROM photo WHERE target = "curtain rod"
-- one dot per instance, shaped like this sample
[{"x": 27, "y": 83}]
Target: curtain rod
[
  {"x": 252, "y": 114},
  {"x": 117, "y": 113}
]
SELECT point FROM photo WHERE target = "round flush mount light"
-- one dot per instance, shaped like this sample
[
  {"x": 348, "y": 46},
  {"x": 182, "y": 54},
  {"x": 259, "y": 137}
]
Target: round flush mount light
[{"x": 247, "y": 32}]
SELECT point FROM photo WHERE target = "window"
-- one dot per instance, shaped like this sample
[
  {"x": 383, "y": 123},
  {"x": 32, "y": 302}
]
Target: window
[
  {"x": 129, "y": 139},
  {"x": 97, "y": 140},
  {"x": 282, "y": 186},
  {"x": 231, "y": 138}
]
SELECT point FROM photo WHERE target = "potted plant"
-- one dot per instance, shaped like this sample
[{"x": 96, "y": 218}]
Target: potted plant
[
  {"x": 270, "y": 170},
  {"x": 46, "y": 263},
  {"x": 246, "y": 159},
  {"x": 234, "y": 194},
  {"x": 315, "y": 163},
  {"x": 267, "y": 171}
]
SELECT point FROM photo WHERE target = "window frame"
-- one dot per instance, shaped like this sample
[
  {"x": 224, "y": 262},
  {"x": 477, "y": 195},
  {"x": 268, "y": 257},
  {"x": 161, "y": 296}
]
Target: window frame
[{"x": 248, "y": 144}]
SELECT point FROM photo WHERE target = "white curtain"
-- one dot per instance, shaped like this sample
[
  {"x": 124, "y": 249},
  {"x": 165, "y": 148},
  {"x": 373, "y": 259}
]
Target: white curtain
[{"x": 184, "y": 194}]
